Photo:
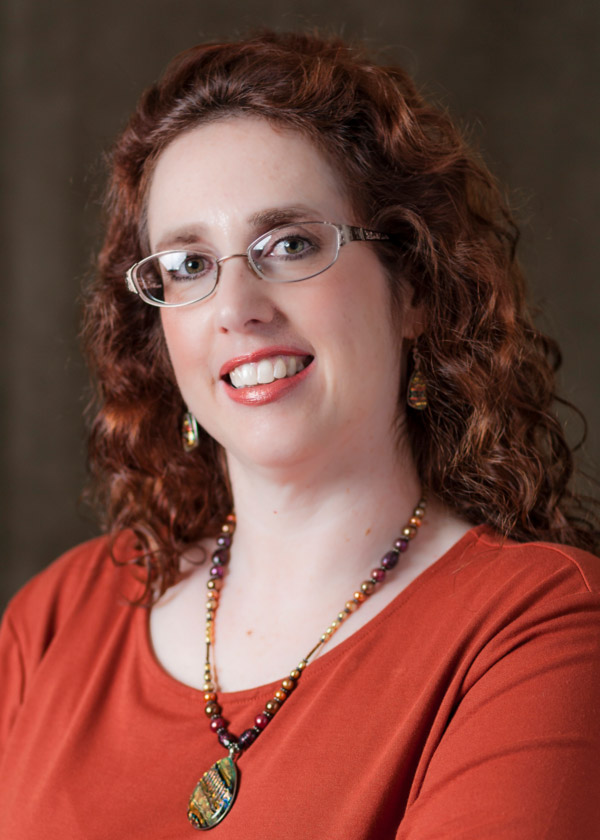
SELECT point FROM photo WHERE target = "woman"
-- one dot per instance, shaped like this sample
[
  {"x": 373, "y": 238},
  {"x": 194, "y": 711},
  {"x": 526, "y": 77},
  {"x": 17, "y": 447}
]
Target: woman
[{"x": 309, "y": 274}]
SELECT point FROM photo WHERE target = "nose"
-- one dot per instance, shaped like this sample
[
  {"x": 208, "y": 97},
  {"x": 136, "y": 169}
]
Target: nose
[{"x": 242, "y": 299}]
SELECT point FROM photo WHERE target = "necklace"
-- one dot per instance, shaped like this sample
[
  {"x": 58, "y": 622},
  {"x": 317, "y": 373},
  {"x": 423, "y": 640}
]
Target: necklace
[{"x": 215, "y": 792}]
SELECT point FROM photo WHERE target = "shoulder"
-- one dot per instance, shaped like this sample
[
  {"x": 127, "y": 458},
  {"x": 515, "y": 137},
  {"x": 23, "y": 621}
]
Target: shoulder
[
  {"x": 492, "y": 595},
  {"x": 94, "y": 574},
  {"x": 486, "y": 561}
]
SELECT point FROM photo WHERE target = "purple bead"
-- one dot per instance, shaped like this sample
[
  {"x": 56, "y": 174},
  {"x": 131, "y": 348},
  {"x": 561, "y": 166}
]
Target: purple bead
[
  {"x": 247, "y": 737},
  {"x": 217, "y": 723},
  {"x": 389, "y": 560},
  {"x": 401, "y": 545},
  {"x": 226, "y": 739},
  {"x": 216, "y": 571},
  {"x": 378, "y": 575},
  {"x": 261, "y": 721},
  {"x": 224, "y": 540},
  {"x": 220, "y": 557}
]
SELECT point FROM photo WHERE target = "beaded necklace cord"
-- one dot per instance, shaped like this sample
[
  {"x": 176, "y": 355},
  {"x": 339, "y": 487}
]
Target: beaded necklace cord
[{"x": 215, "y": 792}]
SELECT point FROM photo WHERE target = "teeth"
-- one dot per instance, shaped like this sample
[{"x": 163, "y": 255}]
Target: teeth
[
  {"x": 266, "y": 371},
  {"x": 279, "y": 368},
  {"x": 248, "y": 375}
]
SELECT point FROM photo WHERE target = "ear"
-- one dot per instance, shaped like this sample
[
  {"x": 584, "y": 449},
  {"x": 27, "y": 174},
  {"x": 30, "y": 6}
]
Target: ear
[{"x": 414, "y": 321}]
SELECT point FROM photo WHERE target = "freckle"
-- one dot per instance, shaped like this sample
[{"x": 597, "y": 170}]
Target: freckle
[
  {"x": 367, "y": 532},
  {"x": 275, "y": 511},
  {"x": 249, "y": 632}
]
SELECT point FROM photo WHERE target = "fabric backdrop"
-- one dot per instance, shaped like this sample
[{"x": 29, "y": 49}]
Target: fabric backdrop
[{"x": 522, "y": 73}]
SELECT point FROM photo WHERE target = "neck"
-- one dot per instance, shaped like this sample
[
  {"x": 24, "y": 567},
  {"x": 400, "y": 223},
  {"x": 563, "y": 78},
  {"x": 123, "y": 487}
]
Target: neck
[{"x": 300, "y": 523}]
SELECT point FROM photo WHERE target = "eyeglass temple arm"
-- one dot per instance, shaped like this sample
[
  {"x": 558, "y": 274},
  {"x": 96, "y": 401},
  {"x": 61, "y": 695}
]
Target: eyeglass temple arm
[
  {"x": 353, "y": 234},
  {"x": 129, "y": 280}
]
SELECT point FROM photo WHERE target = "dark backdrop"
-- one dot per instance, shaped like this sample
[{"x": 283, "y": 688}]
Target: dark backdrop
[{"x": 523, "y": 73}]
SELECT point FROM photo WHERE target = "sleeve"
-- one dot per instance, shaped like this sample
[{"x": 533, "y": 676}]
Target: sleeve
[
  {"x": 520, "y": 756},
  {"x": 35, "y": 615},
  {"x": 12, "y": 678}
]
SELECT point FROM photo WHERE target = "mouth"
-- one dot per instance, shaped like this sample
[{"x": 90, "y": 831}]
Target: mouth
[{"x": 267, "y": 370}]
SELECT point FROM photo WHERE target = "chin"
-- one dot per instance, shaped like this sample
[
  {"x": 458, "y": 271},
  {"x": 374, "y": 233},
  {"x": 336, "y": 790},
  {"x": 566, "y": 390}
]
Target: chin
[{"x": 269, "y": 455}]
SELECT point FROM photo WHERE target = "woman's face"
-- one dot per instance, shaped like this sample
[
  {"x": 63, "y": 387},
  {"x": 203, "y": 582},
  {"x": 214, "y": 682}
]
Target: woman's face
[{"x": 220, "y": 186}]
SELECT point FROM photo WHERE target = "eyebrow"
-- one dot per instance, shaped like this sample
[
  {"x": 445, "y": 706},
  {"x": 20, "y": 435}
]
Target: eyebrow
[
  {"x": 261, "y": 221},
  {"x": 281, "y": 215}
]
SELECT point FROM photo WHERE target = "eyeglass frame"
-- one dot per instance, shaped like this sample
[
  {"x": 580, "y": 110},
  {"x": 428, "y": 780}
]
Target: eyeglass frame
[{"x": 345, "y": 234}]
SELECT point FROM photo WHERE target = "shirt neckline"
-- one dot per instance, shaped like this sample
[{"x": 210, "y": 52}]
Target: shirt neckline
[{"x": 165, "y": 681}]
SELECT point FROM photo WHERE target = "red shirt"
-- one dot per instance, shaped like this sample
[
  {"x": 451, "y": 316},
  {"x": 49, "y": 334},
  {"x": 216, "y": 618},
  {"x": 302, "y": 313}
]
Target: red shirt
[{"x": 468, "y": 708}]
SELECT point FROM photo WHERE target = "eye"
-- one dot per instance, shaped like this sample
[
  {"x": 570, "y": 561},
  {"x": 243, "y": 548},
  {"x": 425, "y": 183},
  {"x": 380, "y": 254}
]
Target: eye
[
  {"x": 193, "y": 265},
  {"x": 179, "y": 266},
  {"x": 292, "y": 246},
  {"x": 295, "y": 242}
]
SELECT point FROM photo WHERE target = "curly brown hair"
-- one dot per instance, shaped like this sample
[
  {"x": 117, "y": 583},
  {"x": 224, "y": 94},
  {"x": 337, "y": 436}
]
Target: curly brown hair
[{"x": 489, "y": 445}]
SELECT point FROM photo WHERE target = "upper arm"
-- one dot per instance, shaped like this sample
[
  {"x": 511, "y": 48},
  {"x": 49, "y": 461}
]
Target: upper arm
[
  {"x": 520, "y": 756},
  {"x": 12, "y": 671}
]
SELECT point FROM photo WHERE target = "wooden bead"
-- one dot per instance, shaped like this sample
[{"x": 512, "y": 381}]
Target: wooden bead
[
  {"x": 359, "y": 597},
  {"x": 210, "y": 696},
  {"x": 419, "y": 512},
  {"x": 295, "y": 675},
  {"x": 212, "y": 709},
  {"x": 290, "y": 684},
  {"x": 208, "y": 686},
  {"x": 214, "y": 583},
  {"x": 272, "y": 706},
  {"x": 414, "y": 520},
  {"x": 367, "y": 586},
  {"x": 409, "y": 532},
  {"x": 280, "y": 695},
  {"x": 351, "y": 606}
]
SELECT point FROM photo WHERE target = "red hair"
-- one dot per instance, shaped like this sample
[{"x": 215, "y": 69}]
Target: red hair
[{"x": 489, "y": 445}]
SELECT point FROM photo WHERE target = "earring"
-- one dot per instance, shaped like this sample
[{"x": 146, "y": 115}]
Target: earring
[
  {"x": 190, "y": 437},
  {"x": 416, "y": 396}
]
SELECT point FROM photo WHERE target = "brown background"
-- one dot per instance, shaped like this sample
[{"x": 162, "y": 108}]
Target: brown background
[{"x": 524, "y": 75}]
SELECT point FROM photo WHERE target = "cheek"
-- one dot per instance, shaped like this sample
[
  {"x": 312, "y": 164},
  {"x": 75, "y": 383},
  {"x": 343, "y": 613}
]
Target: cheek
[
  {"x": 361, "y": 310},
  {"x": 184, "y": 346}
]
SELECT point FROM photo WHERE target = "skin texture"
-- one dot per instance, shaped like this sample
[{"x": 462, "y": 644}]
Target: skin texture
[
  {"x": 211, "y": 181},
  {"x": 321, "y": 479}
]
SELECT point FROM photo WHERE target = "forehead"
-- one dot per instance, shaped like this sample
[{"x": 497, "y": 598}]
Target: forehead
[{"x": 233, "y": 173}]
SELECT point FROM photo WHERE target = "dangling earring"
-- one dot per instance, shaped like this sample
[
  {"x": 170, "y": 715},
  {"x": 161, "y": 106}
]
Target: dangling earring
[
  {"x": 416, "y": 396},
  {"x": 190, "y": 437}
]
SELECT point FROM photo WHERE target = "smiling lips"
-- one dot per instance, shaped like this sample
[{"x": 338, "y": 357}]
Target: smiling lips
[{"x": 260, "y": 379}]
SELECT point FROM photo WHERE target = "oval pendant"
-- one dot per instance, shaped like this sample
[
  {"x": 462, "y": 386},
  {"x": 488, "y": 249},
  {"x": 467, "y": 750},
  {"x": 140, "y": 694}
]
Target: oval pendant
[{"x": 213, "y": 796}]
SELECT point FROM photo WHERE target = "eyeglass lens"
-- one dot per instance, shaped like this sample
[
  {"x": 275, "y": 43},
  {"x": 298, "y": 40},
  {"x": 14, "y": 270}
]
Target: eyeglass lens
[{"x": 284, "y": 255}]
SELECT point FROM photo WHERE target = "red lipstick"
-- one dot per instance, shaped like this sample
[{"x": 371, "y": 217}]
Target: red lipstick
[{"x": 267, "y": 393}]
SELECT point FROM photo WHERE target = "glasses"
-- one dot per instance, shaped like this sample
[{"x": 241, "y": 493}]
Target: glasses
[{"x": 286, "y": 254}]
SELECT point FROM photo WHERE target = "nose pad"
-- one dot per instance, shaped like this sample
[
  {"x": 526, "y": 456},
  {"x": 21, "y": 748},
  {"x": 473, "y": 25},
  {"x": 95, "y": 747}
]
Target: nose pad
[{"x": 242, "y": 298}]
